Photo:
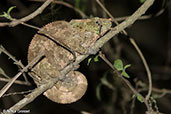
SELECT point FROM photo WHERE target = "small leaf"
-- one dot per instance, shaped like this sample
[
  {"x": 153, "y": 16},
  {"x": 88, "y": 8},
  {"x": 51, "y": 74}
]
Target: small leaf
[
  {"x": 96, "y": 59},
  {"x": 89, "y": 60},
  {"x": 15, "y": 63},
  {"x": 4, "y": 15},
  {"x": 125, "y": 74},
  {"x": 118, "y": 64},
  {"x": 127, "y": 66},
  {"x": 140, "y": 98},
  {"x": 7, "y": 14},
  {"x": 1, "y": 15},
  {"x": 98, "y": 89},
  {"x": 10, "y": 9}
]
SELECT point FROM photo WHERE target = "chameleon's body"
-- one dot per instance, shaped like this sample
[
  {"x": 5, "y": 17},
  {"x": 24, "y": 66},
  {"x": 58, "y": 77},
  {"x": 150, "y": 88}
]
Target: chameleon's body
[{"x": 76, "y": 35}]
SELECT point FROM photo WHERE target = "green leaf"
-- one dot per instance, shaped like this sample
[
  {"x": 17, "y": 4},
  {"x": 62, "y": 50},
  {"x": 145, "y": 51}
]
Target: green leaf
[
  {"x": 15, "y": 63},
  {"x": 10, "y": 9},
  {"x": 142, "y": 1},
  {"x": 1, "y": 15},
  {"x": 127, "y": 66},
  {"x": 125, "y": 74},
  {"x": 89, "y": 60},
  {"x": 7, "y": 14},
  {"x": 140, "y": 98},
  {"x": 96, "y": 59},
  {"x": 98, "y": 89},
  {"x": 118, "y": 65}
]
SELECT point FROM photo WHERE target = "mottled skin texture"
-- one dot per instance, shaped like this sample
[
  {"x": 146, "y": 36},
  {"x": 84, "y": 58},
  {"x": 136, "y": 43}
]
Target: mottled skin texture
[{"x": 77, "y": 35}]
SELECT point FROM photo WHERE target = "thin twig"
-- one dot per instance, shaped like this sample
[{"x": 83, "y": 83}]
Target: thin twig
[
  {"x": 31, "y": 26},
  {"x": 133, "y": 101},
  {"x": 137, "y": 49},
  {"x": 17, "y": 93},
  {"x": 30, "y": 97},
  {"x": 144, "y": 17},
  {"x": 16, "y": 81},
  {"x": 8, "y": 85},
  {"x": 146, "y": 67},
  {"x": 29, "y": 17},
  {"x": 132, "y": 106},
  {"x": 83, "y": 15},
  {"x": 4, "y": 74},
  {"x": 157, "y": 90}
]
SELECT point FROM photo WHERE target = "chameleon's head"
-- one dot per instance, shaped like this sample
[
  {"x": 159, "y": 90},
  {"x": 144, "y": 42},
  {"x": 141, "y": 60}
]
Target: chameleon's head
[
  {"x": 96, "y": 25},
  {"x": 104, "y": 23}
]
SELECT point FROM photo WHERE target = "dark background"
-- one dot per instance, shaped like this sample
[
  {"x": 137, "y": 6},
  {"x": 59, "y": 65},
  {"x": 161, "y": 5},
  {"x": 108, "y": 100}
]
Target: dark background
[{"x": 152, "y": 36}]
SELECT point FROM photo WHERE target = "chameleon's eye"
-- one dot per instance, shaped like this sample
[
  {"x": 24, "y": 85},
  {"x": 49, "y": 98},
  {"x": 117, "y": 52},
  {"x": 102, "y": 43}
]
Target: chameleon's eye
[{"x": 98, "y": 22}]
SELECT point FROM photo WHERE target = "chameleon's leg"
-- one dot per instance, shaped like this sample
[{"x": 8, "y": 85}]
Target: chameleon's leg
[{"x": 35, "y": 76}]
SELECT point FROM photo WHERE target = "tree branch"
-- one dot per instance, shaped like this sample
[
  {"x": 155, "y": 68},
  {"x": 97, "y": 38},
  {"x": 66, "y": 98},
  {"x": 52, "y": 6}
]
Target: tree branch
[{"x": 16, "y": 81}]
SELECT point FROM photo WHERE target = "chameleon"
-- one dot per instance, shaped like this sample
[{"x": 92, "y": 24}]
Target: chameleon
[{"x": 61, "y": 40}]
